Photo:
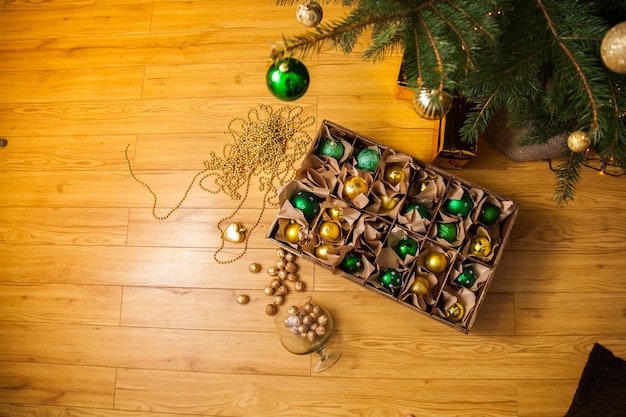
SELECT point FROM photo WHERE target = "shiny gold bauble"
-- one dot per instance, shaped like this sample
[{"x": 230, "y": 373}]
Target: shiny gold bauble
[
  {"x": 354, "y": 186},
  {"x": 322, "y": 250},
  {"x": 432, "y": 104},
  {"x": 235, "y": 232},
  {"x": 578, "y": 141},
  {"x": 420, "y": 285},
  {"x": 329, "y": 230},
  {"x": 335, "y": 213},
  {"x": 292, "y": 232},
  {"x": 480, "y": 246},
  {"x": 456, "y": 312},
  {"x": 394, "y": 174},
  {"x": 613, "y": 48},
  {"x": 388, "y": 203},
  {"x": 435, "y": 262}
]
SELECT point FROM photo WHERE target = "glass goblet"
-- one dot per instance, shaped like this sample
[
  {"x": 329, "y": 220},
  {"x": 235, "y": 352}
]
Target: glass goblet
[{"x": 305, "y": 328}]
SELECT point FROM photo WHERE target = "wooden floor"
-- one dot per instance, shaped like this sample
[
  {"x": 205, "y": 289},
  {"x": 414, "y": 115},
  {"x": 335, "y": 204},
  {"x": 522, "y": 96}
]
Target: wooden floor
[{"x": 107, "y": 312}]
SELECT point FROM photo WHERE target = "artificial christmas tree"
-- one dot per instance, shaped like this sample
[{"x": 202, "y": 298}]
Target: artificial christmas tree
[{"x": 544, "y": 62}]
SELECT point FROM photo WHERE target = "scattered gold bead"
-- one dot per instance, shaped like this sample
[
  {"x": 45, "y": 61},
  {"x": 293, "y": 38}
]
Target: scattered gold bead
[
  {"x": 279, "y": 300},
  {"x": 254, "y": 268},
  {"x": 268, "y": 290},
  {"x": 299, "y": 286},
  {"x": 243, "y": 299}
]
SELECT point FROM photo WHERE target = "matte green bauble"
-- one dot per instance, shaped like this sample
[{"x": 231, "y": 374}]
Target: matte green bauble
[
  {"x": 307, "y": 202},
  {"x": 405, "y": 246},
  {"x": 421, "y": 208},
  {"x": 287, "y": 79},
  {"x": 352, "y": 263},
  {"x": 460, "y": 207},
  {"x": 367, "y": 159},
  {"x": 447, "y": 231},
  {"x": 466, "y": 278},
  {"x": 390, "y": 278},
  {"x": 332, "y": 148},
  {"x": 489, "y": 214}
]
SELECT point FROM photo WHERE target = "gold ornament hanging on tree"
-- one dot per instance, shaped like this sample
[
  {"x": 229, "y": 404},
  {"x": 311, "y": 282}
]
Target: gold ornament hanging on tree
[
  {"x": 266, "y": 144},
  {"x": 578, "y": 141},
  {"x": 432, "y": 104},
  {"x": 613, "y": 48}
]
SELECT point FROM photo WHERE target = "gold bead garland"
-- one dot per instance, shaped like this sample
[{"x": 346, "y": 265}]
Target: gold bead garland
[{"x": 267, "y": 144}]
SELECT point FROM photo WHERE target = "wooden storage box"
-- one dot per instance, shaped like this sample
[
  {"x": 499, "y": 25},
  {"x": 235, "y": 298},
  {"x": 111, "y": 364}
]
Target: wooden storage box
[{"x": 377, "y": 227}]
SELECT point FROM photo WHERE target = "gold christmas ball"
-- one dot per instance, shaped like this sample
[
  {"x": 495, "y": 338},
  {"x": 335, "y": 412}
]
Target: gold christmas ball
[
  {"x": 420, "y": 285},
  {"x": 354, "y": 186},
  {"x": 432, "y": 104},
  {"x": 456, "y": 312},
  {"x": 578, "y": 141},
  {"x": 388, "y": 203},
  {"x": 330, "y": 230},
  {"x": 254, "y": 267},
  {"x": 613, "y": 48},
  {"x": 435, "y": 262},
  {"x": 335, "y": 213},
  {"x": 322, "y": 250},
  {"x": 480, "y": 246},
  {"x": 292, "y": 232},
  {"x": 394, "y": 174}
]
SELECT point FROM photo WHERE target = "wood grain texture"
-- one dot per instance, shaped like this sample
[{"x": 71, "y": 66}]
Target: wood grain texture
[{"x": 106, "y": 311}]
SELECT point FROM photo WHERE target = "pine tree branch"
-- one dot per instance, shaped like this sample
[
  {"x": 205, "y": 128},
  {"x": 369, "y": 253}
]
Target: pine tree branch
[
  {"x": 468, "y": 58},
  {"x": 574, "y": 61}
]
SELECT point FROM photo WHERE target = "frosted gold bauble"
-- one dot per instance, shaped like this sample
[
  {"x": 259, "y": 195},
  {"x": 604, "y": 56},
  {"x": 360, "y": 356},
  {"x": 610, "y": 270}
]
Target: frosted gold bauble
[
  {"x": 578, "y": 141},
  {"x": 435, "y": 262},
  {"x": 613, "y": 48},
  {"x": 330, "y": 230},
  {"x": 292, "y": 232},
  {"x": 354, "y": 186}
]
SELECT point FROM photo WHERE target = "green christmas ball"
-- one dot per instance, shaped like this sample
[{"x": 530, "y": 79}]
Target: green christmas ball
[
  {"x": 308, "y": 203},
  {"x": 352, "y": 263},
  {"x": 460, "y": 207},
  {"x": 390, "y": 278},
  {"x": 489, "y": 214},
  {"x": 287, "y": 79},
  {"x": 466, "y": 278},
  {"x": 447, "y": 231},
  {"x": 421, "y": 208},
  {"x": 332, "y": 148},
  {"x": 367, "y": 159},
  {"x": 405, "y": 246}
]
